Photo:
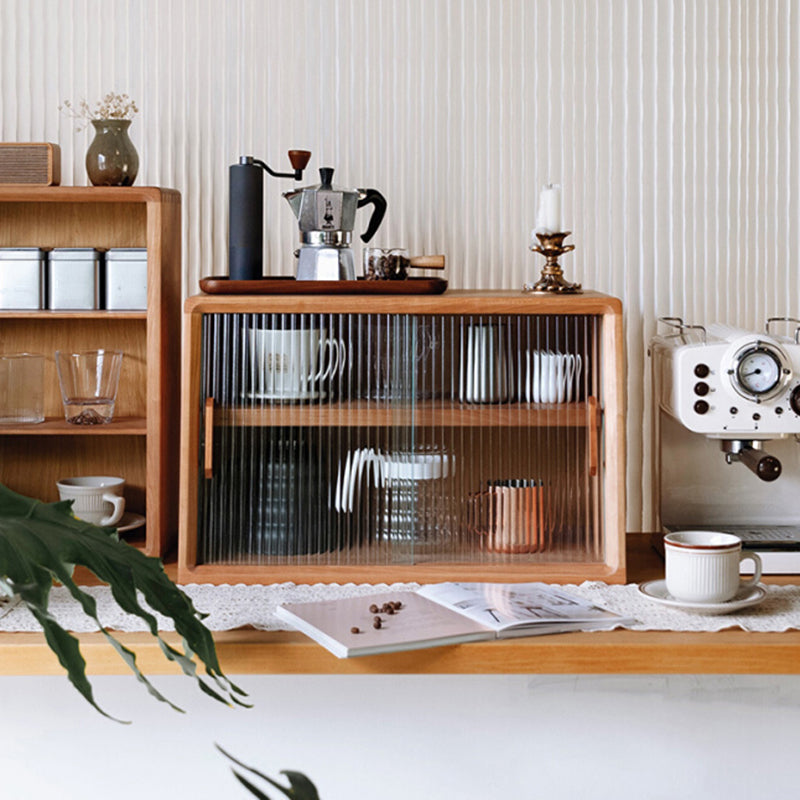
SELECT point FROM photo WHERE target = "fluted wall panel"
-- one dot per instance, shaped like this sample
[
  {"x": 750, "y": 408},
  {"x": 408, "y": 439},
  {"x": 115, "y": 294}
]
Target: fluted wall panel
[{"x": 672, "y": 126}]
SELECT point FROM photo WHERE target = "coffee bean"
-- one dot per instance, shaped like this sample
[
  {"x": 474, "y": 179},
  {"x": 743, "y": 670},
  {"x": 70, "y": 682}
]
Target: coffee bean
[
  {"x": 373, "y": 609},
  {"x": 355, "y": 630},
  {"x": 377, "y": 624}
]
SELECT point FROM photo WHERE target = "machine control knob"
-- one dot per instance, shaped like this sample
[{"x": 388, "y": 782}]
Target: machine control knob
[
  {"x": 701, "y": 407},
  {"x": 702, "y": 370},
  {"x": 794, "y": 399},
  {"x": 701, "y": 388}
]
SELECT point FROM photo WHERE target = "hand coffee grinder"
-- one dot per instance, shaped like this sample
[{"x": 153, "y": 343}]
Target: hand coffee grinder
[
  {"x": 246, "y": 212},
  {"x": 326, "y": 215}
]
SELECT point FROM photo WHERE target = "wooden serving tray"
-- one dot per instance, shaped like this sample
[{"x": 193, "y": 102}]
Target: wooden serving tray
[{"x": 289, "y": 285}]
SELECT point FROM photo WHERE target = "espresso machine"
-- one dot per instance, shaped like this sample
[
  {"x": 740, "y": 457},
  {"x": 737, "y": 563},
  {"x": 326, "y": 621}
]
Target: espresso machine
[
  {"x": 726, "y": 432},
  {"x": 326, "y": 215}
]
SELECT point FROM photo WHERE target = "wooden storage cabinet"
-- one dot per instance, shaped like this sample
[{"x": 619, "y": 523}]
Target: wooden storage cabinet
[
  {"x": 141, "y": 442},
  {"x": 434, "y": 444}
]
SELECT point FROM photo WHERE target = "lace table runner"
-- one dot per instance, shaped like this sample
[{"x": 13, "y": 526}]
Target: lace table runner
[{"x": 239, "y": 606}]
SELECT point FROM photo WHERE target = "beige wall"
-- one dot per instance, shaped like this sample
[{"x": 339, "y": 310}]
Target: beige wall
[{"x": 671, "y": 124}]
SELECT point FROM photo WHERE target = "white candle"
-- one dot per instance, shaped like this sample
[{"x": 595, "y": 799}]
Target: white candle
[{"x": 548, "y": 218}]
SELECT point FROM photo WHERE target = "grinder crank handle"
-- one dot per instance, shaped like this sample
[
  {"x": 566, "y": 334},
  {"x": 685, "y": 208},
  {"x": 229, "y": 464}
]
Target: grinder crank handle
[{"x": 375, "y": 198}]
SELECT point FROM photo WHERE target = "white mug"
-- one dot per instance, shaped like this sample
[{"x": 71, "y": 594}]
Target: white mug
[
  {"x": 703, "y": 566},
  {"x": 484, "y": 374},
  {"x": 551, "y": 377},
  {"x": 97, "y": 499},
  {"x": 285, "y": 364}
]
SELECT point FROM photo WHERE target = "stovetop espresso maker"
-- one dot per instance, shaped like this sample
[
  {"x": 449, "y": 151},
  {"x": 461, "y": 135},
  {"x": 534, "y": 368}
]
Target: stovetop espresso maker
[{"x": 326, "y": 215}]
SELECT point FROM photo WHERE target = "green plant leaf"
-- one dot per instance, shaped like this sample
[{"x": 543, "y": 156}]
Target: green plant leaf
[
  {"x": 42, "y": 541},
  {"x": 300, "y": 787}
]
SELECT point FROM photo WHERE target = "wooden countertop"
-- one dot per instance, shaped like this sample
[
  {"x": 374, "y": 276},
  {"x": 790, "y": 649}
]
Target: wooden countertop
[{"x": 614, "y": 652}]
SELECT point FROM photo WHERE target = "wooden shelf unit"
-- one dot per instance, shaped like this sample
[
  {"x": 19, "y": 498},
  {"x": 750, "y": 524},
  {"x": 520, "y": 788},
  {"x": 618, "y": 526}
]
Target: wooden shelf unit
[
  {"x": 141, "y": 443},
  {"x": 603, "y": 441}
]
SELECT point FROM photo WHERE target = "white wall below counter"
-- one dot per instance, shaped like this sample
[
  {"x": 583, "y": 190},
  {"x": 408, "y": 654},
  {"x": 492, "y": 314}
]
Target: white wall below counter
[{"x": 393, "y": 737}]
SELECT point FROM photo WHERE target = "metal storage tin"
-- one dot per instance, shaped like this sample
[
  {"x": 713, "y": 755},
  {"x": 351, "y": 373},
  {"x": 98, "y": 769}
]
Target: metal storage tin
[
  {"x": 73, "y": 278},
  {"x": 22, "y": 277},
  {"x": 126, "y": 278}
]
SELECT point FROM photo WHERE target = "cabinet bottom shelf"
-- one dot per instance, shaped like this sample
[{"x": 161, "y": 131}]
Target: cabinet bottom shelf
[{"x": 432, "y": 572}]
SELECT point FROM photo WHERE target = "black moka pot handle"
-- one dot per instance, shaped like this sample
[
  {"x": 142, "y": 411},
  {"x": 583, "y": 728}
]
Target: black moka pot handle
[{"x": 375, "y": 198}]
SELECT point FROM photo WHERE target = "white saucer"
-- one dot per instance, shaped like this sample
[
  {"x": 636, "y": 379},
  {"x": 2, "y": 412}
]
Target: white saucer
[
  {"x": 749, "y": 596},
  {"x": 130, "y": 522}
]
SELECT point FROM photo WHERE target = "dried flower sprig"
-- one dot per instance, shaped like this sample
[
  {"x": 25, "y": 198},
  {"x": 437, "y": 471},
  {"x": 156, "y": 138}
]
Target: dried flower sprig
[{"x": 112, "y": 106}]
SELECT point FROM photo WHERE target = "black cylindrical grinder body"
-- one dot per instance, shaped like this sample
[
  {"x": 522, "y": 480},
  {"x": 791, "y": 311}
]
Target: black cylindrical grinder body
[{"x": 245, "y": 222}]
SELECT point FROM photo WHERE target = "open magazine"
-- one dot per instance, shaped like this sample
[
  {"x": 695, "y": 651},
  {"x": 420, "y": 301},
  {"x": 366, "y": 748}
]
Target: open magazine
[{"x": 444, "y": 613}]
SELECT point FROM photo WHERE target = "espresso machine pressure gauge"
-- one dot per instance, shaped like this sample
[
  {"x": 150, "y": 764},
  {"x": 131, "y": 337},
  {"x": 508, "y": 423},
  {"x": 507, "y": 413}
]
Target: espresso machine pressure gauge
[{"x": 759, "y": 371}]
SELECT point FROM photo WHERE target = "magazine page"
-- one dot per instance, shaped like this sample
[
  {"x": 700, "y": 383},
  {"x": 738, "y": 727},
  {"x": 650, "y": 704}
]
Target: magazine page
[
  {"x": 350, "y": 627},
  {"x": 502, "y": 606}
]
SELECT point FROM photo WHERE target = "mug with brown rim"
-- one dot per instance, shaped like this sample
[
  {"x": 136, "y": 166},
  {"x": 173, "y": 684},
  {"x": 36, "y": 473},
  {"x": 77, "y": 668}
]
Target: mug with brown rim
[{"x": 703, "y": 566}]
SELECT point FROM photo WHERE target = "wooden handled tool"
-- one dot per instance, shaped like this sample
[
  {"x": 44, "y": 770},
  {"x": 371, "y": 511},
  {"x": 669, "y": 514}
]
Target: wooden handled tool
[
  {"x": 426, "y": 262},
  {"x": 392, "y": 266}
]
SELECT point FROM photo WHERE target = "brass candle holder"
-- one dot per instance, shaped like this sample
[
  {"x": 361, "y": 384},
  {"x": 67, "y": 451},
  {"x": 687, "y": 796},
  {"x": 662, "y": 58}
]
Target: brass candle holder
[{"x": 551, "y": 246}]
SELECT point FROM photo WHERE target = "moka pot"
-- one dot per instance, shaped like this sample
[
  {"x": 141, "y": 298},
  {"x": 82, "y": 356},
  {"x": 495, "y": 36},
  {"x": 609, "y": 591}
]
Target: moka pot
[{"x": 326, "y": 216}]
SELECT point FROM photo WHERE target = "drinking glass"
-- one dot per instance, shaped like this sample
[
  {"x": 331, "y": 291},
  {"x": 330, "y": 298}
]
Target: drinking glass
[
  {"x": 21, "y": 388},
  {"x": 89, "y": 382}
]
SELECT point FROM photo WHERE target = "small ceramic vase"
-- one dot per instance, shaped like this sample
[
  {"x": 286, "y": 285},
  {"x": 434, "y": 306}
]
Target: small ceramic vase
[{"x": 111, "y": 159}]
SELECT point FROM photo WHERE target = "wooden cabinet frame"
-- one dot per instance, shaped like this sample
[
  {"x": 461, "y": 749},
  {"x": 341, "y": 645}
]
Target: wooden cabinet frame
[{"x": 605, "y": 427}]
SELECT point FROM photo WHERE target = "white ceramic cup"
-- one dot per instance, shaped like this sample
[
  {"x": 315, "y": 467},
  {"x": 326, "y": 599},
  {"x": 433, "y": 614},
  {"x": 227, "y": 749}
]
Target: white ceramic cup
[
  {"x": 96, "y": 498},
  {"x": 703, "y": 566},
  {"x": 551, "y": 377},
  {"x": 285, "y": 364},
  {"x": 484, "y": 374}
]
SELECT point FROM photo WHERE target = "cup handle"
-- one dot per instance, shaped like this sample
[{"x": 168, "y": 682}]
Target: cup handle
[
  {"x": 342, "y": 355},
  {"x": 569, "y": 376},
  {"x": 332, "y": 346},
  {"x": 478, "y": 512},
  {"x": 118, "y": 501},
  {"x": 561, "y": 377},
  {"x": 756, "y": 559}
]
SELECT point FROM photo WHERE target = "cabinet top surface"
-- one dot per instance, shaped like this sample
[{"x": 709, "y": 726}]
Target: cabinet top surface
[
  {"x": 456, "y": 301},
  {"x": 87, "y": 194}
]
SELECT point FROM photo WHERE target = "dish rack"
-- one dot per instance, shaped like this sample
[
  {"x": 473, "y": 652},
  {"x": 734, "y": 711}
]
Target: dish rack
[{"x": 467, "y": 436}]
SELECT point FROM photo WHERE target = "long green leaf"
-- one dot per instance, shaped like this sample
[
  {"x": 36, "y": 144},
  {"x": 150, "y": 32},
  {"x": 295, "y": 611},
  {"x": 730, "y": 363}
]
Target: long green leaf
[
  {"x": 42, "y": 541},
  {"x": 300, "y": 786}
]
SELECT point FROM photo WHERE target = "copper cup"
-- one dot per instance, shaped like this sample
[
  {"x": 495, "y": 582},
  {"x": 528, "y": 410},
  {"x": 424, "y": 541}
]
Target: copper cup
[{"x": 509, "y": 516}]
